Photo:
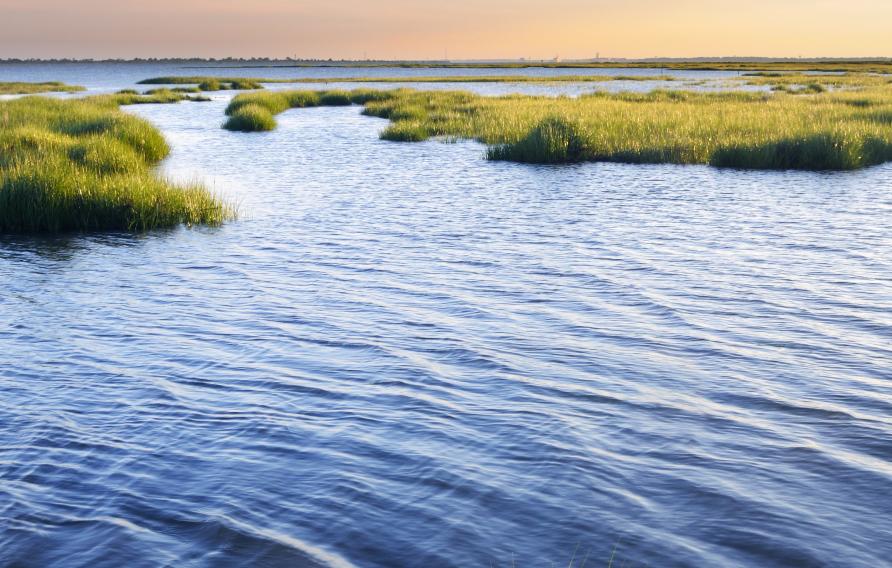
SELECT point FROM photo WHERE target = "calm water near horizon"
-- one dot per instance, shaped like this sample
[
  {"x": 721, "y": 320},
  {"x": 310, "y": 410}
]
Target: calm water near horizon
[
  {"x": 405, "y": 355},
  {"x": 110, "y": 77}
]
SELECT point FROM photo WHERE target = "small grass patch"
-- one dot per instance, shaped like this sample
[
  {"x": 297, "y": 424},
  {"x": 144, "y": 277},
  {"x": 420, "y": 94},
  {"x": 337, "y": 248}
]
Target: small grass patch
[
  {"x": 555, "y": 140},
  {"x": 251, "y": 118},
  {"x": 406, "y": 131},
  {"x": 335, "y": 98},
  {"x": 230, "y": 83},
  {"x": 156, "y": 96},
  {"x": 84, "y": 165},
  {"x": 19, "y": 88},
  {"x": 208, "y": 84},
  {"x": 255, "y": 112},
  {"x": 814, "y": 83},
  {"x": 486, "y": 79}
]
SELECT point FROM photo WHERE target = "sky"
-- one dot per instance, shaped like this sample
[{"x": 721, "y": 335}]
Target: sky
[{"x": 456, "y": 29}]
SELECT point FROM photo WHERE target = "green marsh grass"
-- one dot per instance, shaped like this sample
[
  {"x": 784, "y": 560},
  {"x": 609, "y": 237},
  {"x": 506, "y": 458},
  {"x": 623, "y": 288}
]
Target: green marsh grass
[
  {"x": 837, "y": 130},
  {"x": 229, "y": 83},
  {"x": 490, "y": 79},
  {"x": 201, "y": 83},
  {"x": 83, "y": 165},
  {"x": 19, "y": 88},
  {"x": 805, "y": 82},
  {"x": 154, "y": 96},
  {"x": 335, "y": 98},
  {"x": 209, "y": 85},
  {"x": 251, "y": 118}
]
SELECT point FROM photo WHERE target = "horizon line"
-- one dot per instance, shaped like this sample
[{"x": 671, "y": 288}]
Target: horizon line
[{"x": 700, "y": 59}]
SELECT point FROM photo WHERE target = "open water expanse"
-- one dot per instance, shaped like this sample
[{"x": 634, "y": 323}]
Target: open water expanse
[{"x": 404, "y": 355}]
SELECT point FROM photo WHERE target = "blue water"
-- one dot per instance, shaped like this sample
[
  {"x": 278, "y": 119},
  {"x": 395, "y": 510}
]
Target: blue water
[
  {"x": 405, "y": 355},
  {"x": 110, "y": 77}
]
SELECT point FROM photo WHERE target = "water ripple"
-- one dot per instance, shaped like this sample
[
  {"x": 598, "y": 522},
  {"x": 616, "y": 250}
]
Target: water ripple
[{"x": 404, "y": 355}]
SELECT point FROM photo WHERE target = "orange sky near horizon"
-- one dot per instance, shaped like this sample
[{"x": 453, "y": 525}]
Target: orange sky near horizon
[{"x": 465, "y": 29}]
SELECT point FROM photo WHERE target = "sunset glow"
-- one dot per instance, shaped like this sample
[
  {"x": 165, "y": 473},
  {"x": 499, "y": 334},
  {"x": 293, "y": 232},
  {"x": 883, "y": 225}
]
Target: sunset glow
[{"x": 462, "y": 29}]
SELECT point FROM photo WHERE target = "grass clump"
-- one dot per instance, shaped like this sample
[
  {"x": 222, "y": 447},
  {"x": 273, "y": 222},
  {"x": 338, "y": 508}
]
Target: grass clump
[
  {"x": 244, "y": 85},
  {"x": 815, "y": 88},
  {"x": 809, "y": 83},
  {"x": 485, "y": 79},
  {"x": 364, "y": 96},
  {"x": 229, "y": 85},
  {"x": 406, "y": 131},
  {"x": 255, "y": 112},
  {"x": 301, "y": 99},
  {"x": 208, "y": 84},
  {"x": 21, "y": 88},
  {"x": 335, "y": 98},
  {"x": 273, "y": 102},
  {"x": 834, "y": 150},
  {"x": 555, "y": 140},
  {"x": 83, "y": 165},
  {"x": 250, "y": 118},
  {"x": 153, "y": 96}
]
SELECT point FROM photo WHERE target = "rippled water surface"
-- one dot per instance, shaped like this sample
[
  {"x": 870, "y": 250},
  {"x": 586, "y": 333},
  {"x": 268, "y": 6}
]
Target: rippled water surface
[{"x": 404, "y": 355}]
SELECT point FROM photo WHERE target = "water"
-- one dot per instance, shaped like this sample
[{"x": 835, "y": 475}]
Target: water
[
  {"x": 404, "y": 355},
  {"x": 110, "y": 77}
]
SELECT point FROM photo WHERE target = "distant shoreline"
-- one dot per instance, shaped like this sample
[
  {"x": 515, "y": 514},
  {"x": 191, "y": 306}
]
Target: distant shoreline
[{"x": 467, "y": 63}]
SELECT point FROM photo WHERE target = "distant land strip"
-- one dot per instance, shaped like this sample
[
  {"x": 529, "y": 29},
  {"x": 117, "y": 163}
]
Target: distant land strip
[{"x": 871, "y": 64}]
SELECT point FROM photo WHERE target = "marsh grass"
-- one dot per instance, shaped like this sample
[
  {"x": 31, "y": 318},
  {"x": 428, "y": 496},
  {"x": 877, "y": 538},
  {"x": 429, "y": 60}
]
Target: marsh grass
[
  {"x": 251, "y": 118},
  {"x": 154, "y": 96},
  {"x": 19, "y": 88},
  {"x": 812, "y": 83},
  {"x": 82, "y": 165},
  {"x": 837, "y": 130},
  {"x": 255, "y": 112},
  {"x": 335, "y": 98},
  {"x": 485, "y": 79},
  {"x": 554, "y": 140},
  {"x": 208, "y": 84},
  {"x": 229, "y": 83}
]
